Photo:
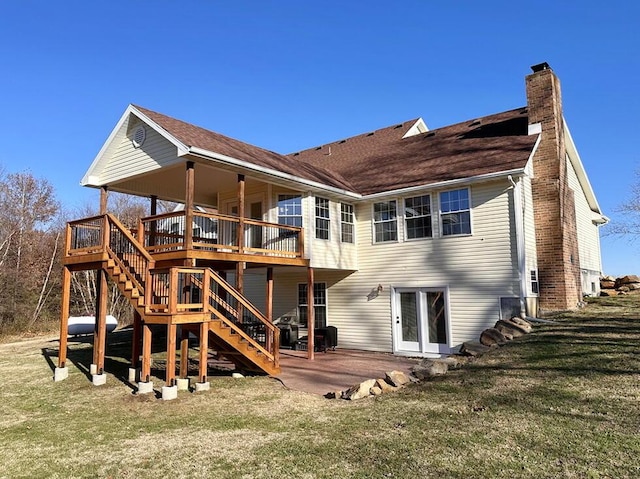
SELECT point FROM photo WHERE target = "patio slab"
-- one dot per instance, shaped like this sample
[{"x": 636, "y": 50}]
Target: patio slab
[{"x": 337, "y": 370}]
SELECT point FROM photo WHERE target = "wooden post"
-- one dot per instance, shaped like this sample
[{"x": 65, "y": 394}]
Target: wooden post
[
  {"x": 241, "y": 184},
  {"x": 240, "y": 288},
  {"x": 154, "y": 205},
  {"x": 184, "y": 353},
  {"x": 64, "y": 316},
  {"x": 135, "y": 341},
  {"x": 104, "y": 197},
  {"x": 171, "y": 354},
  {"x": 204, "y": 351},
  {"x": 100, "y": 335},
  {"x": 269, "y": 312},
  {"x": 188, "y": 205},
  {"x": 145, "y": 373},
  {"x": 153, "y": 226},
  {"x": 311, "y": 316}
]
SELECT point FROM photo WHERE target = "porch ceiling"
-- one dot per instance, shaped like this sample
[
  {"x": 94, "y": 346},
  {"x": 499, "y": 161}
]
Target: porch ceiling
[{"x": 169, "y": 184}]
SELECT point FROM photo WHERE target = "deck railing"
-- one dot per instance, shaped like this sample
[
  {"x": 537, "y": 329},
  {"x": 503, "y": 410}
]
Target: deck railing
[
  {"x": 200, "y": 290},
  {"x": 217, "y": 232}
]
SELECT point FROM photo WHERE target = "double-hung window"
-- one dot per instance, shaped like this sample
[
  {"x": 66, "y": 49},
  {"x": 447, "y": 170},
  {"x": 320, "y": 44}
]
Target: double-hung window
[
  {"x": 319, "y": 304},
  {"x": 385, "y": 221},
  {"x": 290, "y": 210},
  {"x": 455, "y": 212},
  {"x": 417, "y": 212},
  {"x": 346, "y": 223},
  {"x": 322, "y": 218}
]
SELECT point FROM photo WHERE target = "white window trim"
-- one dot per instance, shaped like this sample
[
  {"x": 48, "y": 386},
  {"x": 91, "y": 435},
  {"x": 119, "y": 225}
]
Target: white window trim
[
  {"x": 434, "y": 227},
  {"x": 277, "y": 211},
  {"x": 353, "y": 223},
  {"x": 326, "y": 303},
  {"x": 440, "y": 213},
  {"x": 373, "y": 222},
  {"x": 316, "y": 218}
]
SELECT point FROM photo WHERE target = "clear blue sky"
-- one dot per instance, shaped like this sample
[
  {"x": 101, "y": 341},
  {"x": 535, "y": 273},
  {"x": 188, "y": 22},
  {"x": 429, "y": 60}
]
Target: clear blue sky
[{"x": 287, "y": 75}]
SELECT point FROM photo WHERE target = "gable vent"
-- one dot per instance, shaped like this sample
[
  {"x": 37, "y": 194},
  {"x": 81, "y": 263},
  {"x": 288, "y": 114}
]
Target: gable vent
[{"x": 139, "y": 135}]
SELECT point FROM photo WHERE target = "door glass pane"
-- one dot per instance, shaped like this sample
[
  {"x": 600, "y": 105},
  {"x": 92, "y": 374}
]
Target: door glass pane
[
  {"x": 437, "y": 318},
  {"x": 409, "y": 314}
]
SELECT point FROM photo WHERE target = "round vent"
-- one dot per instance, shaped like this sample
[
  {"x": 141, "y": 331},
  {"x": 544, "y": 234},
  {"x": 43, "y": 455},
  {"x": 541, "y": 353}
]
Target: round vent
[{"x": 138, "y": 136}]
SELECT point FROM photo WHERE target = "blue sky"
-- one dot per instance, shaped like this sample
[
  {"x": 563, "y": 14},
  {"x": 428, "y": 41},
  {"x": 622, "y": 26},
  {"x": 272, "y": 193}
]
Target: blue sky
[{"x": 288, "y": 75}]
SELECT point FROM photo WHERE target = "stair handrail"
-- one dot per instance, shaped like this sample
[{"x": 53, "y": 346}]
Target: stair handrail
[
  {"x": 274, "y": 353},
  {"x": 148, "y": 262}
]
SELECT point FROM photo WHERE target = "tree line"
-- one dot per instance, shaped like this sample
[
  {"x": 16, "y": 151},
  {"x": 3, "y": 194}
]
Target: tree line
[{"x": 32, "y": 230}]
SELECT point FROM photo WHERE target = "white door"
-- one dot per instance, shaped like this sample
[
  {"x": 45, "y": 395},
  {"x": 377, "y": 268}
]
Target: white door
[
  {"x": 420, "y": 321},
  {"x": 252, "y": 233}
]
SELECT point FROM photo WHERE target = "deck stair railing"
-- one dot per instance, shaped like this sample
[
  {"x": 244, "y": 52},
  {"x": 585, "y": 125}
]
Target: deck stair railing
[{"x": 184, "y": 291}]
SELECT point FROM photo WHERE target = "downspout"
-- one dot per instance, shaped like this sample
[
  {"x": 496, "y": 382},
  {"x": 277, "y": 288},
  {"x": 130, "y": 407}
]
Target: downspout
[{"x": 517, "y": 206}]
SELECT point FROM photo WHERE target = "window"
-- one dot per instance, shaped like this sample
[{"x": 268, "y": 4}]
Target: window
[
  {"x": 535, "y": 287},
  {"x": 455, "y": 213},
  {"x": 417, "y": 212},
  {"x": 322, "y": 218},
  {"x": 385, "y": 222},
  {"x": 346, "y": 223},
  {"x": 290, "y": 210},
  {"x": 319, "y": 303}
]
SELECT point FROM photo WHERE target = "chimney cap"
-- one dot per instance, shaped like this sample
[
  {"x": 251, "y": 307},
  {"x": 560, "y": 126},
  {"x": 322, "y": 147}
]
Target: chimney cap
[{"x": 540, "y": 66}]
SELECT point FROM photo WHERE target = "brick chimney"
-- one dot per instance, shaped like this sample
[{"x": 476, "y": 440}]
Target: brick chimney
[{"x": 553, "y": 201}]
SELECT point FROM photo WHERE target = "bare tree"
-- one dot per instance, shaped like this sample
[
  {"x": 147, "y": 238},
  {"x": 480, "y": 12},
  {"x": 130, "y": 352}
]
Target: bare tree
[{"x": 629, "y": 225}]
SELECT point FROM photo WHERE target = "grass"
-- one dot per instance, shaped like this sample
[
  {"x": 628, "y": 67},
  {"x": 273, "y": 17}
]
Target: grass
[{"x": 561, "y": 402}]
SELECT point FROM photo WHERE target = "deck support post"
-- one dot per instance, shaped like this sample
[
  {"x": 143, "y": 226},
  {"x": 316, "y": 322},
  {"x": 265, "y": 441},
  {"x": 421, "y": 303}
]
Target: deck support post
[
  {"x": 269, "y": 311},
  {"x": 241, "y": 213},
  {"x": 184, "y": 353},
  {"x": 135, "y": 341},
  {"x": 204, "y": 354},
  {"x": 311, "y": 316},
  {"x": 171, "y": 354},
  {"x": 188, "y": 205},
  {"x": 104, "y": 197},
  {"x": 100, "y": 331},
  {"x": 153, "y": 210},
  {"x": 61, "y": 372},
  {"x": 145, "y": 385}
]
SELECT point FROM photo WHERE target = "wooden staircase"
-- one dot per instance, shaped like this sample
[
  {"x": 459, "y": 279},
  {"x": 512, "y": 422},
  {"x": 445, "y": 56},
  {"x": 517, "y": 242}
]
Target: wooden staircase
[{"x": 236, "y": 329}]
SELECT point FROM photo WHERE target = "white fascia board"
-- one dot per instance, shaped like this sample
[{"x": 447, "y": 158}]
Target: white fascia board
[
  {"x": 574, "y": 157},
  {"x": 92, "y": 177},
  {"x": 210, "y": 155},
  {"x": 447, "y": 184}
]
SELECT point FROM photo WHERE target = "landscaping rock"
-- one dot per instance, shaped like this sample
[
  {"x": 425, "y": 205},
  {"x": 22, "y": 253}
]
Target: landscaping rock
[
  {"x": 428, "y": 369},
  {"x": 633, "y": 286},
  {"x": 385, "y": 386},
  {"x": 608, "y": 292},
  {"x": 333, "y": 395},
  {"x": 607, "y": 278},
  {"x": 397, "y": 378},
  {"x": 631, "y": 278},
  {"x": 522, "y": 323},
  {"x": 359, "y": 391},
  {"x": 507, "y": 326},
  {"x": 237, "y": 376},
  {"x": 375, "y": 391},
  {"x": 492, "y": 337},
  {"x": 607, "y": 284},
  {"x": 455, "y": 361},
  {"x": 473, "y": 348}
]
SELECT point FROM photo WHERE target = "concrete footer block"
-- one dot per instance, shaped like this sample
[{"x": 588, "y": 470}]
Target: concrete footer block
[
  {"x": 99, "y": 379},
  {"x": 134, "y": 375},
  {"x": 145, "y": 387},
  {"x": 169, "y": 393},
  {"x": 203, "y": 386},
  {"x": 60, "y": 374},
  {"x": 93, "y": 369},
  {"x": 183, "y": 384}
]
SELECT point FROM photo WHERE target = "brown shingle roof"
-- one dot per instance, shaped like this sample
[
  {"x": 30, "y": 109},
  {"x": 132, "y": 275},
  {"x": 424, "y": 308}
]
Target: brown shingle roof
[
  {"x": 196, "y": 136},
  {"x": 384, "y": 161}
]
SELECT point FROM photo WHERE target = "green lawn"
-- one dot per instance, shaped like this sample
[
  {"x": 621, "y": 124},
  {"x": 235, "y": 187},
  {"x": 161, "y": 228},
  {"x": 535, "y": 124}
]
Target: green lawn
[{"x": 561, "y": 402}]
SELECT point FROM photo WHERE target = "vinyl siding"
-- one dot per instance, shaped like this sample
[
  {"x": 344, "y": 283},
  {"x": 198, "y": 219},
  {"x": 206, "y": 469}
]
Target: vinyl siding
[
  {"x": 127, "y": 161},
  {"x": 588, "y": 234},
  {"x": 531, "y": 255},
  {"x": 476, "y": 269}
]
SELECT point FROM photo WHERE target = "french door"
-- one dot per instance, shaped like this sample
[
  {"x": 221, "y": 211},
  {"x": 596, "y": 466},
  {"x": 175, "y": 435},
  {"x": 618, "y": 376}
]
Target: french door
[{"x": 420, "y": 322}]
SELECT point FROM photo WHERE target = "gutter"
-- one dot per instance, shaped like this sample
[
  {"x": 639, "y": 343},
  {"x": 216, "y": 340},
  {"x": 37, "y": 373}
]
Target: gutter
[{"x": 520, "y": 247}]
